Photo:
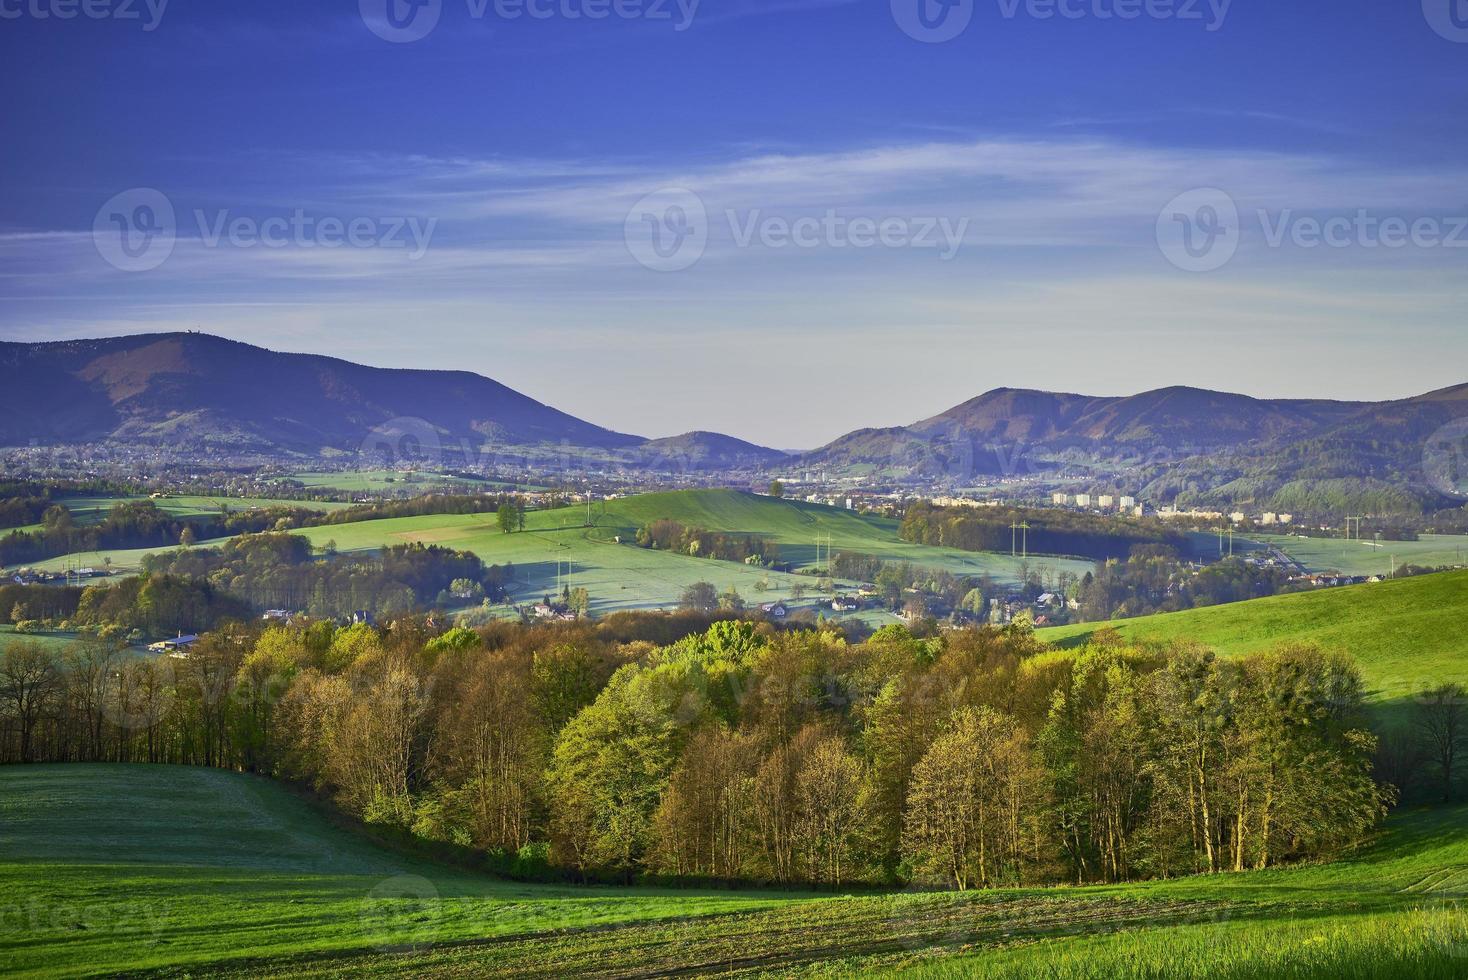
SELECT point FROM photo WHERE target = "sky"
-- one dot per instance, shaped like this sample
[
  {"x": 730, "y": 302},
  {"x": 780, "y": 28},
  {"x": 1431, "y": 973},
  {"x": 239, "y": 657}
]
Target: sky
[{"x": 780, "y": 219}]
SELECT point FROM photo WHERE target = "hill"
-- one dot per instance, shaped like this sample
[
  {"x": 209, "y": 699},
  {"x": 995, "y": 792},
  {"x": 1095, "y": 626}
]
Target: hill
[
  {"x": 707, "y": 451},
  {"x": 1406, "y": 634},
  {"x": 112, "y": 868},
  {"x": 190, "y": 389},
  {"x": 1293, "y": 455},
  {"x": 620, "y": 575}
]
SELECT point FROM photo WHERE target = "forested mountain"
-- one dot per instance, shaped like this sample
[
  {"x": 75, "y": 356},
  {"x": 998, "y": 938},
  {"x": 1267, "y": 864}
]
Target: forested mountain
[
  {"x": 184, "y": 389},
  {"x": 1204, "y": 446},
  {"x": 1187, "y": 445}
]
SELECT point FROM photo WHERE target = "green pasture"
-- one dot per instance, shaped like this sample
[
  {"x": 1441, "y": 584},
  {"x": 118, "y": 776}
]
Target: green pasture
[
  {"x": 1367, "y": 557},
  {"x": 185, "y": 871},
  {"x": 1407, "y": 634}
]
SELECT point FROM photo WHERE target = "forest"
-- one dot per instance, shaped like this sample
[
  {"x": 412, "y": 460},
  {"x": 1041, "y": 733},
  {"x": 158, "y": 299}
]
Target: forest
[{"x": 650, "y": 747}]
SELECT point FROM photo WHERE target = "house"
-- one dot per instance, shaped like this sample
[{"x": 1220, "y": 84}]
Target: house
[
  {"x": 775, "y": 609},
  {"x": 1105, "y": 501},
  {"x": 1083, "y": 500},
  {"x": 362, "y": 616},
  {"x": 177, "y": 647},
  {"x": 543, "y": 610},
  {"x": 1127, "y": 503},
  {"x": 1060, "y": 499},
  {"x": 845, "y": 604},
  {"x": 276, "y": 615}
]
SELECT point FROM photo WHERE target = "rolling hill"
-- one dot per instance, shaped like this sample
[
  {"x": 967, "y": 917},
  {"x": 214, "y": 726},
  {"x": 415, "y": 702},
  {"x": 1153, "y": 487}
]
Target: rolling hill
[
  {"x": 1406, "y": 634},
  {"x": 707, "y": 451},
  {"x": 620, "y": 575},
  {"x": 109, "y": 869}
]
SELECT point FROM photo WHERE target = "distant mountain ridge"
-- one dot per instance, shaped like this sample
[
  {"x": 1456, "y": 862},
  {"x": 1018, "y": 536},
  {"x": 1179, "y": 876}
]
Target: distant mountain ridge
[
  {"x": 1171, "y": 441},
  {"x": 194, "y": 389},
  {"x": 188, "y": 390},
  {"x": 184, "y": 389}
]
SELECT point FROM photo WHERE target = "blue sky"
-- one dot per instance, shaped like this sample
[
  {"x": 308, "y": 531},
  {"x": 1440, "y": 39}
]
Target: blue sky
[{"x": 1033, "y": 178}]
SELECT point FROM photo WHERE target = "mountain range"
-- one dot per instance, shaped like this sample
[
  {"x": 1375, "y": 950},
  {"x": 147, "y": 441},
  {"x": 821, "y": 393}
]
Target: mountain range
[{"x": 196, "y": 391}]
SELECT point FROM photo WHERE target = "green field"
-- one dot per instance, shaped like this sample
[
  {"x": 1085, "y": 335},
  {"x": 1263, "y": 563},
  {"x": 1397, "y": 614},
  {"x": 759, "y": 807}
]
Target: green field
[
  {"x": 1406, "y": 634},
  {"x": 90, "y": 510},
  {"x": 624, "y": 576},
  {"x": 144, "y": 868},
  {"x": 378, "y": 481},
  {"x": 120, "y": 561},
  {"x": 1367, "y": 557},
  {"x": 57, "y": 642}
]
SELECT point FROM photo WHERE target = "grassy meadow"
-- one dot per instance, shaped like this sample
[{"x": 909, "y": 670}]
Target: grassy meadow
[
  {"x": 1367, "y": 557},
  {"x": 1406, "y": 634},
  {"x": 151, "y": 869}
]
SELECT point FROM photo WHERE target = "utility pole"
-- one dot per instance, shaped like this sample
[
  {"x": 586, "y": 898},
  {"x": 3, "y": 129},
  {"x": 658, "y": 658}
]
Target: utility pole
[{"x": 1014, "y": 530}]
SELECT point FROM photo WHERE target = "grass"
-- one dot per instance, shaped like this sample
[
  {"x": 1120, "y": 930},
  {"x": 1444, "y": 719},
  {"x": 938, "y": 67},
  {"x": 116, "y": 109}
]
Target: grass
[
  {"x": 376, "y": 481},
  {"x": 57, "y": 642},
  {"x": 110, "y": 868},
  {"x": 91, "y": 510},
  {"x": 1406, "y": 634},
  {"x": 147, "y": 868},
  {"x": 1366, "y": 557},
  {"x": 623, "y": 576}
]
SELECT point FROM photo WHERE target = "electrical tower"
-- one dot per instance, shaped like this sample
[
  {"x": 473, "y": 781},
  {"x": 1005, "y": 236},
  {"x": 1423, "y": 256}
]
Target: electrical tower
[{"x": 1014, "y": 529}]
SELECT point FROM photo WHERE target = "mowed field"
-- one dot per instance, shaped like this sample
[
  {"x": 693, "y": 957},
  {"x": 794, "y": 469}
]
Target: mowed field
[
  {"x": 1406, "y": 634},
  {"x": 1368, "y": 557},
  {"x": 173, "y": 870}
]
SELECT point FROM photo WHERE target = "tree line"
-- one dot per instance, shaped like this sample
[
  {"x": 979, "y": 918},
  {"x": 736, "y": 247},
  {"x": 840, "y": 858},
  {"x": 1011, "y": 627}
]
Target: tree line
[
  {"x": 281, "y": 571},
  {"x": 1051, "y": 532},
  {"x": 669, "y": 535},
  {"x": 660, "y": 746},
  {"x": 135, "y": 524}
]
